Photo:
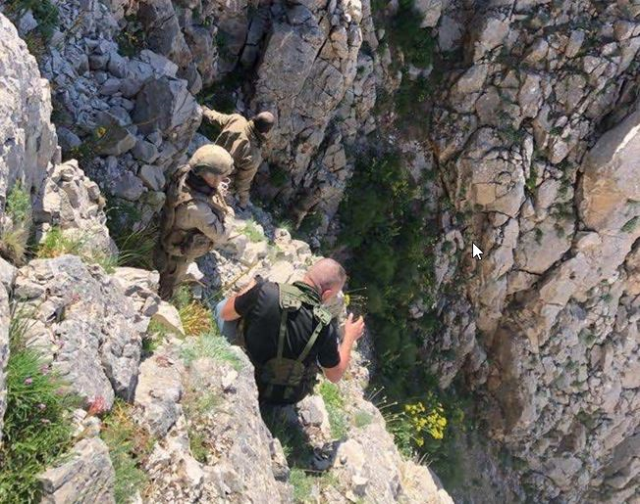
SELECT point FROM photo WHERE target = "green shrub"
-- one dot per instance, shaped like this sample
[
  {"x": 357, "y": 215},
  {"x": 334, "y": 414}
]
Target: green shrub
[
  {"x": 198, "y": 402},
  {"x": 131, "y": 40},
  {"x": 129, "y": 447},
  {"x": 391, "y": 239},
  {"x": 405, "y": 32},
  {"x": 37, "y": 428},
  {"x": 44, "y": 11},
  {"x": 362, "y": 419},
  {"x": 253, "y": 232},
  {"x": 302, "y": 485}
]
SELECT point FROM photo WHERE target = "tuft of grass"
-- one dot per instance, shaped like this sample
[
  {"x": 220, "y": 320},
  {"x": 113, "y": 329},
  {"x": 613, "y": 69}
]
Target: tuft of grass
[
  {"x": 156, "y": 332},
  {"x": 362, "y": 419},
  {"x": 212, "y": 346},
  {"x": 14, "y": 235},
  {"x": 196, "y": 318},
  {"x": 136, "y": 248},
  {"x": 56, "y": 244},
  {"x": 44, "y": 11},
  {"x": 197, "y": 405},
  {"x": 37, "y": 426},
  {"x": 253, "y": 232},
  {"x": 129, "y": 447},
  {"x": 302, "y": 485},
  {"x": 335, "y": 408},
  {"x": 198, "y": 445}
]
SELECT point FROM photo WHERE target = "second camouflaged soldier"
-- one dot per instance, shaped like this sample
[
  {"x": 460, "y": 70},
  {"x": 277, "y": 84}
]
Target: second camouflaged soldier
[
  {"x": 243, "y": 139},
  {"x": 192, "y": 220}
]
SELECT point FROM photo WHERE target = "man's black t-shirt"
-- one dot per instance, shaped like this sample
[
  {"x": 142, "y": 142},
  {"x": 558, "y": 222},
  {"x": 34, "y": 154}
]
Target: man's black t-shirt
[{"x": 260, "y": 309}]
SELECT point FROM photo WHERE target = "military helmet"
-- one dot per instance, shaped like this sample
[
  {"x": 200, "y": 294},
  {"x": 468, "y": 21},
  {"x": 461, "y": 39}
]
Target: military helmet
[{"x": 211, "y": 159}]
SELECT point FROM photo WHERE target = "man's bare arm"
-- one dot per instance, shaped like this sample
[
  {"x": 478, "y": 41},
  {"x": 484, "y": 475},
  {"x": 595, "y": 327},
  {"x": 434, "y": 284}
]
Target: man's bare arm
[
  {"x": 353, "y": 331},
  {"x": 229, "y": 312}
]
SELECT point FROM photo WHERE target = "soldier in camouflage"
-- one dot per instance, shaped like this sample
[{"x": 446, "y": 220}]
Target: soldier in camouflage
[
  {"x": 192, "y": 220},
  {"x": 243, "y": 139}
]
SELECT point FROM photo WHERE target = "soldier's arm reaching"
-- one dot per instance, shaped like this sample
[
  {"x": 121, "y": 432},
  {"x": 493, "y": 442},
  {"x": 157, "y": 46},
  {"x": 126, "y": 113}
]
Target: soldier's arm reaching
[{"x": 214, "y": 117}]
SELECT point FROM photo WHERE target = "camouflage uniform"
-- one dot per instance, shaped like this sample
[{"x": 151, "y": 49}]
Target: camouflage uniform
[
  {"x": 241, "y": 139},
  {"x": 192, "y": 220}
]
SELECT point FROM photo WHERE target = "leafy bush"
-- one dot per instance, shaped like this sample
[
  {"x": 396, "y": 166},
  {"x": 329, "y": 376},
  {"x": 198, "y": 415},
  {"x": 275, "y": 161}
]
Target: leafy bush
[
  {"x": 405, "y": 32},
  {"x": 388, "y": 232},
  {"x": 129, "y": 446},
  {"x": 37, "y": 427}
]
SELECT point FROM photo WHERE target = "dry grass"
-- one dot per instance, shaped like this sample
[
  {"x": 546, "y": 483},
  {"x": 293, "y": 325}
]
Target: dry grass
[{"x": 196, "y": 318}]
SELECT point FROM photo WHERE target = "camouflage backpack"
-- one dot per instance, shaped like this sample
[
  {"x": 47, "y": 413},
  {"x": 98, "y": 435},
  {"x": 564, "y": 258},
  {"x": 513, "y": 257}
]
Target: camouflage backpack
[{"x": 292, "y": 373}]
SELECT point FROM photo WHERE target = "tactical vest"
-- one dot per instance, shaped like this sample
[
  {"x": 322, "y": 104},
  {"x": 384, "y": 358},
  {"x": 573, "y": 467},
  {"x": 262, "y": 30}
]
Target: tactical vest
[
  {"x": 181, "y": 242},
  {"x": 292, "y": 374}
]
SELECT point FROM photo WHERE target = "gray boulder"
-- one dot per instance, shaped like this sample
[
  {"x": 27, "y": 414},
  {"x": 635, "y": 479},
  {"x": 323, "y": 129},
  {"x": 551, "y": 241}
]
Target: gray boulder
[
  {"x": 88, "y": 476},
  {"x": 27, "y": 136},
  {"x": 83, "y": 323},
  {"x": 166, "y": 105}
]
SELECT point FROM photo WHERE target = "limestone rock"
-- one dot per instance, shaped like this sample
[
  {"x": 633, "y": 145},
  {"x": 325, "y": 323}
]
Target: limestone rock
[
  {"x": 27, "y": 135},
  {"x": 84, "y": 324},
  {"x": 168, "y": 316},
  {"x": 72, "y": 202},
  {"x": 88, "y": 473},
  {"x": 158, "y": 393},
  {"x": 166, "y": 105},
  {"x": 5, "y": 318}
]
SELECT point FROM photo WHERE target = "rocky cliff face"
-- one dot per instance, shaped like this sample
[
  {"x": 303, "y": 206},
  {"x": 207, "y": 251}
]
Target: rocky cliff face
[
  {"x": 192, "y": 401},
  {"x": 533, "y": 149},
  {"x": 533, "y": 135}
]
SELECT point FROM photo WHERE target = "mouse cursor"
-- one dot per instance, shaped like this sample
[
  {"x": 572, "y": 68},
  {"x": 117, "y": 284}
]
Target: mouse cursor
[{"x": 476, "y": 253}]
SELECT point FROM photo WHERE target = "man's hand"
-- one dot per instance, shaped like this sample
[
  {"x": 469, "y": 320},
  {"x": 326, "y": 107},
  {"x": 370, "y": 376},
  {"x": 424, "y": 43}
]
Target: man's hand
[{"x": 354, "y": 329}]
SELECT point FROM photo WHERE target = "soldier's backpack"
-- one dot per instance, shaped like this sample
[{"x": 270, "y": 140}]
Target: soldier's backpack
[{"x": 292, "y": 374}]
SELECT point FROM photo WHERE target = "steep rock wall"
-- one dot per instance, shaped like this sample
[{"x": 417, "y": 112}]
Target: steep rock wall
[{"x": 547, "y": 195}]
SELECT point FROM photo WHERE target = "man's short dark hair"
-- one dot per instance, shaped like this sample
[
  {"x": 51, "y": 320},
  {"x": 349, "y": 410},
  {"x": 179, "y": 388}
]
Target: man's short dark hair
[{"x": 264, "y": 122}]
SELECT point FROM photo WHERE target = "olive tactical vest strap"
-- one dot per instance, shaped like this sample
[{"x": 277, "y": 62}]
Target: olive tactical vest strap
[{"x": 289, "y": 372}]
